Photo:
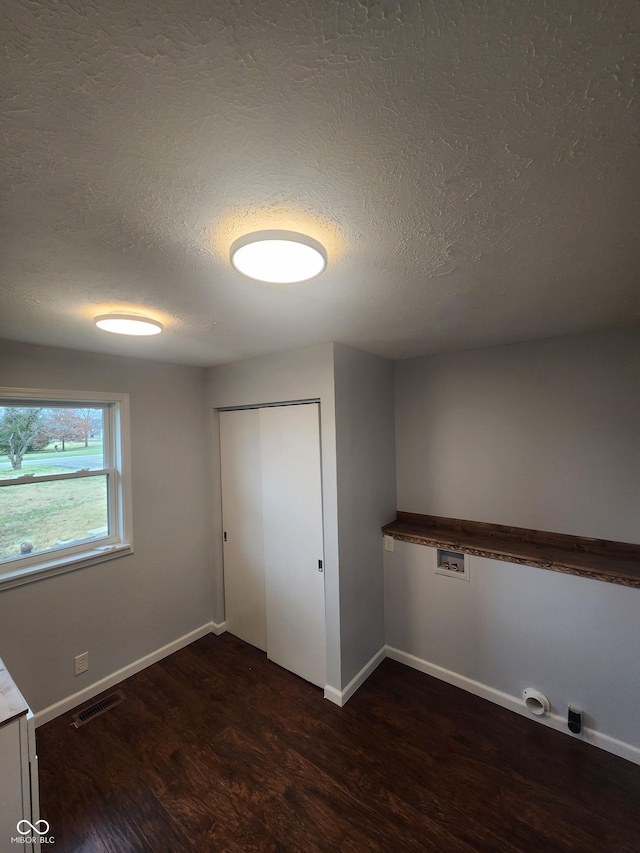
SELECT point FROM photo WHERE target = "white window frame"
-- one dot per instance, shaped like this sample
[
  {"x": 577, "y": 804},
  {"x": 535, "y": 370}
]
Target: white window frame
[{"x": 117, "y": 469}]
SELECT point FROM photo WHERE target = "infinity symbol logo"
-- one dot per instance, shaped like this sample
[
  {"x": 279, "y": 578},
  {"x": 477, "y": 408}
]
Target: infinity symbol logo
[{"x": 33, "y": 828}]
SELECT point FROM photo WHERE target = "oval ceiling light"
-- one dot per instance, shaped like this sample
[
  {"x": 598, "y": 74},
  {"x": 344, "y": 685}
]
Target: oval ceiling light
[
  {"x": 128, "y": 324},
  {"x": 278, "y": 257}
]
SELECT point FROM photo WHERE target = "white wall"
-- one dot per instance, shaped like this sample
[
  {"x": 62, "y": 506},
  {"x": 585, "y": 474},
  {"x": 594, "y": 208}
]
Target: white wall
[
  {"x": 299, "y": 375},
  {"x": 126, "y": 608},
  {"x": 541, "y": 435},
  {"x": 366, "y": 498}
]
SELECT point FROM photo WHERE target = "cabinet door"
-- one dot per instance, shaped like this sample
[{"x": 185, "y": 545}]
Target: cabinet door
[
  {"x": 242, "y": 525},
  {"x": 292, "y": 522},
  {"x": 11, "y": 800}
]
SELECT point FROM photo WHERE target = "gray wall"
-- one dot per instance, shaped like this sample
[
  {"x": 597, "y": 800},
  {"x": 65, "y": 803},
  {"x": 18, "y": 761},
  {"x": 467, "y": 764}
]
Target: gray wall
[
  {"x": 126, "y": 608},
  {"x": 512, "y": 627},
  {"x": 542, "y": 435},
  {"x": 299, "y": 375},
  {"x": 366, "y": 498}
]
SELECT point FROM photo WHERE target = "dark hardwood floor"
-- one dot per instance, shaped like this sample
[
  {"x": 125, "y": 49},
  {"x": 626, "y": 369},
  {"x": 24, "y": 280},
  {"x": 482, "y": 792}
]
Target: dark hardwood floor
[{"x": 216, "y": 749}]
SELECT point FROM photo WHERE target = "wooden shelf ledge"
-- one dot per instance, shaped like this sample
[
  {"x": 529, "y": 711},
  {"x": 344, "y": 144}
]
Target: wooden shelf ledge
[{"x": 601, "y": 559}]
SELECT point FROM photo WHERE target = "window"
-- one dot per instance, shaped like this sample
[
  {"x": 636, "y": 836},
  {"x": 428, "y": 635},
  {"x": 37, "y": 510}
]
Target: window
[{"x": 65, "y": 495}]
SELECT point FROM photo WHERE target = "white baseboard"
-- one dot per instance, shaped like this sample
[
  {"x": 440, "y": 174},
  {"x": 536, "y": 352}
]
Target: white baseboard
[
  {"x": 108, "y": 681},
  {"x": 333, "y": 695},
  {"x": 218, "y": 628},
  {"x": 514, "y": 703},
  {"x": 341, "y": 697}
]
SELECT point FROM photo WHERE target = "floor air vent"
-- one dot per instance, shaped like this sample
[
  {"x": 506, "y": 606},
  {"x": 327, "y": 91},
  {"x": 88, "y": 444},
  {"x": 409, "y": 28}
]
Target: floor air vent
[{"x": 93, "y": 711}]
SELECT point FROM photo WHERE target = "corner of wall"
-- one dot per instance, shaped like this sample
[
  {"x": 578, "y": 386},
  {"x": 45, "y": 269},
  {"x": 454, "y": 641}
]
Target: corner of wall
[{"x": 365, "y": 452}]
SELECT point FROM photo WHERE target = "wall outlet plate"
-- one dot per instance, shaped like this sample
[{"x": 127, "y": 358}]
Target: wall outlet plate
[
  {"x": 388, "y": 543},
  {"x": 81, "y": 663}
]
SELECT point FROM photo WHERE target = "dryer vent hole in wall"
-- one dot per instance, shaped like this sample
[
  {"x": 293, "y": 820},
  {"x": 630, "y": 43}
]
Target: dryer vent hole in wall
[
  {"x": 80, "y": 718},
  {"x": 535, "y": 701}
]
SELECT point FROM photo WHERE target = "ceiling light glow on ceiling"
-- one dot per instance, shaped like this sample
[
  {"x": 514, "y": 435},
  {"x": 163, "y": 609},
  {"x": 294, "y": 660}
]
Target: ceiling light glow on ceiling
[
  {"x": 278, "y": 257},
  {"x": 128, "y": 324}
]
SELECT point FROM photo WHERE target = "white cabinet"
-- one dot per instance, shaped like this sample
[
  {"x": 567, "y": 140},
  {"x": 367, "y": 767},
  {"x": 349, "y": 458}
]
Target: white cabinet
[
  {"x": 272, "y": 520},
  {"x": 19, "y": 809}
]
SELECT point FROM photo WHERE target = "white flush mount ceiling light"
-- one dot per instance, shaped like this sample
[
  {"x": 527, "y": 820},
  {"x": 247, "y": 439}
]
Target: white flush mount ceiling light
[
  {"x": 278, "y": 257},
  {"x": 128, "y": 324}
]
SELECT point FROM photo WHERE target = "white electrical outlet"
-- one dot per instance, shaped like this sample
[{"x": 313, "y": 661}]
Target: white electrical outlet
[
  {"x": 388, "y": 543},
  {"x": 81, "y": 663}
]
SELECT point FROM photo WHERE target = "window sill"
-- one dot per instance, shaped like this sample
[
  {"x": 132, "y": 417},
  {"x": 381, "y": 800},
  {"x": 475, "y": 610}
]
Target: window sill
[{"x": 50, "y": 568}]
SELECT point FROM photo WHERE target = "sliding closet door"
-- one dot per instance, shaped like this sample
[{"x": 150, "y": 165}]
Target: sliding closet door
[
  {"x": 242, "y": 524},
  {"x": 292, "y": 522}
]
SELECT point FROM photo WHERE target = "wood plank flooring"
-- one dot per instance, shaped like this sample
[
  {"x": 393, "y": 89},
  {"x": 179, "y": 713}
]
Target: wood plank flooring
[{"x": 216, "y": 749}]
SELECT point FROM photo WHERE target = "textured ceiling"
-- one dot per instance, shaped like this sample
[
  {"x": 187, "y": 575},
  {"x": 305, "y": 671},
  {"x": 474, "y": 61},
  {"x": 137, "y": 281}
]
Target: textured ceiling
[{"x": 472, "y": 168}]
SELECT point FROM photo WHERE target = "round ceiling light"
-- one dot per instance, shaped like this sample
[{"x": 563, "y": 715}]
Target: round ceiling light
[
  {"x": 278, "y": 257},
  {"x": 128, "y": 324}
]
